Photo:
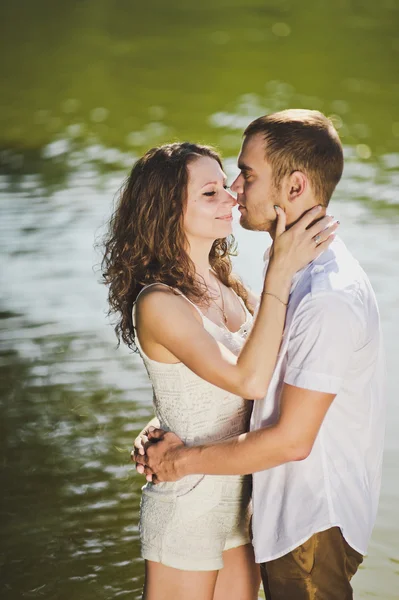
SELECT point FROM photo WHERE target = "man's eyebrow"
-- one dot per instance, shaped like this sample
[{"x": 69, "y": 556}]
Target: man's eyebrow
[{"x": 243, "y": 167}]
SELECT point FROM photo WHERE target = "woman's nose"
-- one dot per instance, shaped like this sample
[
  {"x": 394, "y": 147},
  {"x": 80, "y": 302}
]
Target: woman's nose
[{"x": 230, "y": 198}]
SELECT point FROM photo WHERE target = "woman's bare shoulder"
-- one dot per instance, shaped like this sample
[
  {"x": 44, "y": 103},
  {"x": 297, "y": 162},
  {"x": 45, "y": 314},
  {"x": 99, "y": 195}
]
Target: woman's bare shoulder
[{"x": 162, "y": 301}]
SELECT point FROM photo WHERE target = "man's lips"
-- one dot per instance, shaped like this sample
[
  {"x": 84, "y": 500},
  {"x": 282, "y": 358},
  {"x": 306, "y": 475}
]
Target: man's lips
[{"x": 241, "y": 207}]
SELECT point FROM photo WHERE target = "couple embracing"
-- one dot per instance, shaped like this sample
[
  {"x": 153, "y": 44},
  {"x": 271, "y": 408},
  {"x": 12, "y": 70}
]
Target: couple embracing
[{"x": 264, "y": 457}]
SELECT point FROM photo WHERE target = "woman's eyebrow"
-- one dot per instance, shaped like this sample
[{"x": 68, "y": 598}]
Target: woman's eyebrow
[
  {"x": 209, "y": 183},
  {"x": 214, "y": 182}
]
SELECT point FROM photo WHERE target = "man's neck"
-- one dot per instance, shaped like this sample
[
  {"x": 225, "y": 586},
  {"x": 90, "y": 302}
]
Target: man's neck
[{"x": 296, "y": 218}]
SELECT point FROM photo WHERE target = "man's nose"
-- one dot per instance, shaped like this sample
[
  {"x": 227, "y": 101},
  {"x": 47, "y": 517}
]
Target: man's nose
[
  {"x": 237, "y": 185},
  {"x": 229, "y": 198}
]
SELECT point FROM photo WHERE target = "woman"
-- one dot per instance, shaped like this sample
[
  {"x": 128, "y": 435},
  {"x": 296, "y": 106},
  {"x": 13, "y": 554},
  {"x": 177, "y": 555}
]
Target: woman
[{"x": 167, "y": 264}]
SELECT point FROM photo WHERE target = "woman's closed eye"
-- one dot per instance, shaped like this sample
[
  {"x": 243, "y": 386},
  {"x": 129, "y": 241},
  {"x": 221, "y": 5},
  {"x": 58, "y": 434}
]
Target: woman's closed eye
[{"x": 226, "y": 187}]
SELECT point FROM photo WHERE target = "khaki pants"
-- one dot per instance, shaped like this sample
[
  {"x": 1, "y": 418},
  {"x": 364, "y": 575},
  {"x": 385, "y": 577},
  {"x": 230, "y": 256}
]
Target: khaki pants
[{"x": 319, "y": 569}]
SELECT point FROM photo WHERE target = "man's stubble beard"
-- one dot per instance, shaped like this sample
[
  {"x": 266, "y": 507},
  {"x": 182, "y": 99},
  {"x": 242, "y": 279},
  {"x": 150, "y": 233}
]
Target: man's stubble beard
[{"x": 268, "y": 226}]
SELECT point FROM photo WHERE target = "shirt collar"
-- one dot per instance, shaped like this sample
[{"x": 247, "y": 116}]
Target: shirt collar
[{"x": 315, "y": 265}]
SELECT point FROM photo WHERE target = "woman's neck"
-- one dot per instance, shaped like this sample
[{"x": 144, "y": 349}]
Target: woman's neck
[{"x": 199, "y": 253}]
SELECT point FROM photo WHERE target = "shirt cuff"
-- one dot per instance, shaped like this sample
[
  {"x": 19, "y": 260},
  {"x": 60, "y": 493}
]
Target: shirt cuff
[{"x": 309, "y": 380}]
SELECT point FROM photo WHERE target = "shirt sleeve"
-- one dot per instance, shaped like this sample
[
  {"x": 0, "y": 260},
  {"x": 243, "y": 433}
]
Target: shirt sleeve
[{"x": 323, "y": 339}]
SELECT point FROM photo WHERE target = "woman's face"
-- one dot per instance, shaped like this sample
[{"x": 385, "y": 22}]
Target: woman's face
[{"x": 209, "y": 205}]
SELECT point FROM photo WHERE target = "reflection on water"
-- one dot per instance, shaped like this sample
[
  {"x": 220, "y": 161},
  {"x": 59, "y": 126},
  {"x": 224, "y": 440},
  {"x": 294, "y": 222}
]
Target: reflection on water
[
  {"x": 69, "y": 502},
  {"x": 71, "y": 403},
  {"x": 87, "y": 88}
]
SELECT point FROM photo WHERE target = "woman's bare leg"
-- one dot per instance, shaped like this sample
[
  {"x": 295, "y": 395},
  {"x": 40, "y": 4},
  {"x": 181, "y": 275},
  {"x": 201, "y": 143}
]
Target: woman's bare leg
[
  {"x": 166, "y": 583},
  {"x": 240, "y": 577}
]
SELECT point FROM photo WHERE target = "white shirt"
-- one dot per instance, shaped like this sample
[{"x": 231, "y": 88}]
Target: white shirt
[{"x": 332, "y": 343}]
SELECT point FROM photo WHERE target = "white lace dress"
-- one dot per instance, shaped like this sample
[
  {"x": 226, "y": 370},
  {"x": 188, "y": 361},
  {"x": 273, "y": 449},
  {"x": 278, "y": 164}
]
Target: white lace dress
[{"x": 189, "y": 523}]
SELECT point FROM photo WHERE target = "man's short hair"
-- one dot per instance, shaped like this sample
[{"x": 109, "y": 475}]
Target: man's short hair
[{"x": 302, "y": 140}]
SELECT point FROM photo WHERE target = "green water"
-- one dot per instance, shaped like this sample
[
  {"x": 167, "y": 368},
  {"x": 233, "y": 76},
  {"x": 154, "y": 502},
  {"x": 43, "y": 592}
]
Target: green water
[{"x": 86, "y": 87}]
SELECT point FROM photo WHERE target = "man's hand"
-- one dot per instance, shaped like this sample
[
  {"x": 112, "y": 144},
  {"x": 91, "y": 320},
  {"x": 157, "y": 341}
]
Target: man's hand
[{"x": 160, "y": 461}]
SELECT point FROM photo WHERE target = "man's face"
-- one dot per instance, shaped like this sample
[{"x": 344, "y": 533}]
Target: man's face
[{"x": 256, "y": 193}]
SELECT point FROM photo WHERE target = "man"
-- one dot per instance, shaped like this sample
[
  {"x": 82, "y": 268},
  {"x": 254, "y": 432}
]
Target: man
[{"x": 316, "y": 440}]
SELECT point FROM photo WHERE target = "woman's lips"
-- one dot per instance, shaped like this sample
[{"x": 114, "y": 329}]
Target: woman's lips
[{"x": 226, "y": 218}]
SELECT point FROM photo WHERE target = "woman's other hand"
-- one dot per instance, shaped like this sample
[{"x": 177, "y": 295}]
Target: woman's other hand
[{"x": 139, "y": 449}]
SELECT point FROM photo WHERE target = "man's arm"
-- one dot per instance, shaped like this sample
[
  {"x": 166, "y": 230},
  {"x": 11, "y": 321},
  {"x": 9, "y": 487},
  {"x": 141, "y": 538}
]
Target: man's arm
[
  {"x": 291, "y": 439},
  {"x": 323, "y": 338}
]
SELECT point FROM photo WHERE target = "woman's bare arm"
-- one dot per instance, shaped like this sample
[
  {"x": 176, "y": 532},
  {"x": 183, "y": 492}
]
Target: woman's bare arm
[{"x": 184, "y": 337}]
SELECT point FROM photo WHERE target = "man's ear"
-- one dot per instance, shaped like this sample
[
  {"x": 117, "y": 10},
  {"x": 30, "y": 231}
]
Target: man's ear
[{"x": 297, "y": 185}]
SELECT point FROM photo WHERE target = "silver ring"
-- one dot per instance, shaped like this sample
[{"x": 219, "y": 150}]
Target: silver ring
[{"x": 317, "y": 238}]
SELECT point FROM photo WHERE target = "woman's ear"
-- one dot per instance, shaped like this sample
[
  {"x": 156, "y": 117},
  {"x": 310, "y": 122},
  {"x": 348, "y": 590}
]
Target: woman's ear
[{"x": 297, "y": 185}]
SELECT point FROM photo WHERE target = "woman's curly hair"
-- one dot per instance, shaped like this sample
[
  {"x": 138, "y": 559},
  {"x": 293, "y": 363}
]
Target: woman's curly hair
[{"x": 146, "y": 242}]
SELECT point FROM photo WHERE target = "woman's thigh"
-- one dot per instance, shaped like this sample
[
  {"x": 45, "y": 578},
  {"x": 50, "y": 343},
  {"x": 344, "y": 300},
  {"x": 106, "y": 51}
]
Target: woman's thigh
[
  {"x": 240, "y": 577},
  {"x": 165, "y": 583}
]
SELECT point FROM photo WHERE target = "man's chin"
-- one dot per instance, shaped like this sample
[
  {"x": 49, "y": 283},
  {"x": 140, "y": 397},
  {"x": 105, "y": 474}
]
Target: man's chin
[
  {"x": 269, "y": 226},
  {"x": 245, "y": 224}
]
